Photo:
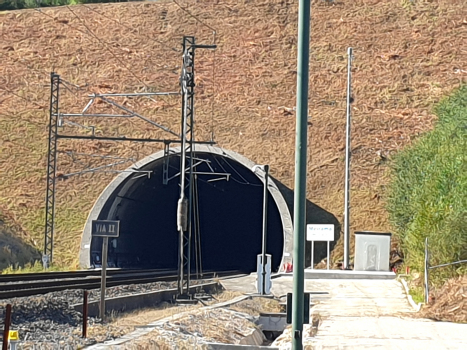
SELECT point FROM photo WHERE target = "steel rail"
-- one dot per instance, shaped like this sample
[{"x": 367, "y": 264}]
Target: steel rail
[
  {"x": 40, "y": 276},
  {"x": 25, "y": 289},
  {"x": 82, "y": 285},
  {"x": 77, "y": 280}
]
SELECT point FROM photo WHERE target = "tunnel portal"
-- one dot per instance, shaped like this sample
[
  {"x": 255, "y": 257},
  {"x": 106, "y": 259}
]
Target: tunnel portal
[{"x": 229, "y": 204}]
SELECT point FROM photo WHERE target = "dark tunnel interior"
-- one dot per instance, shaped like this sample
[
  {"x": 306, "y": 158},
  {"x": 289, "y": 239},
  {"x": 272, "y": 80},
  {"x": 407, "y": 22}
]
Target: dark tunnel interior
[{"x": 229, "y": 220}]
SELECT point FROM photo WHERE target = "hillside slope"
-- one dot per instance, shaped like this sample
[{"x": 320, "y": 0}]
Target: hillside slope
[{"x": 406, "y": 57}]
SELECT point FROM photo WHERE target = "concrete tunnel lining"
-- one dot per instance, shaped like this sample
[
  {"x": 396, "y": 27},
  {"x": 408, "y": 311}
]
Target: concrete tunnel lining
[{"x": 224, "y": 246}]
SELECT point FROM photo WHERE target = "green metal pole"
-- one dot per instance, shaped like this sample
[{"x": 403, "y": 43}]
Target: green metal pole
[{"x": 300, "y": 173}]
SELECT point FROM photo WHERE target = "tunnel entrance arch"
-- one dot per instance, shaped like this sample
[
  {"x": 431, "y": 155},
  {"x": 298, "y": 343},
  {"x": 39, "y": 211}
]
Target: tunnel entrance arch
[{"x": 230, "y": 215}]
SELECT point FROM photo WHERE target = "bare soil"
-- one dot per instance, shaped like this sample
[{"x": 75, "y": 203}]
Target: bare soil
[
  {"x": 407, "y": 56},
  {"x": 449, "y": 302},
  {"x": 14, "y": 247}
]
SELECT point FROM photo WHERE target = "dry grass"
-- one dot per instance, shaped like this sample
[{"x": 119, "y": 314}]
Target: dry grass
[
  {"x": 143, "y": 317},
  {"x": 219, "y": 324},
  {"x": 406, "y": 57},
  {"x": 256, "y": 305},
  {"x": 13, "y": 251},
  {"x": 449, "y": 302},
  {"x": 121, "y": 324},
  {"x": 309, "y": 331}
]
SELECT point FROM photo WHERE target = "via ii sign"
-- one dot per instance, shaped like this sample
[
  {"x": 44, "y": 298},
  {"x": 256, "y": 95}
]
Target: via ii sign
[{"x": 105, "y": 228}]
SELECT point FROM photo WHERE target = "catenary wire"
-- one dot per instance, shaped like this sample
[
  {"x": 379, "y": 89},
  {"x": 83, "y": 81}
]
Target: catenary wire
[
  {"x": 129, "y": 28},
  {"x": 106, "y": 47},
  {"x": 244, "y": 182},
  {"x": 192, "y": 15},
  {"x": 214, "y": 32}
]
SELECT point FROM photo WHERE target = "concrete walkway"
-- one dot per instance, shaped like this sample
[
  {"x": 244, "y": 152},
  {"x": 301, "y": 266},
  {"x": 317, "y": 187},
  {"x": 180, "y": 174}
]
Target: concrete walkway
[{"x": 365, "y": 314}]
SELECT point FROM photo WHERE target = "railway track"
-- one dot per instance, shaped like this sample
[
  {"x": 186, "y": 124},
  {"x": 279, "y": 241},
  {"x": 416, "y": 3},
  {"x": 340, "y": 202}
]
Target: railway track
[
  {"x": 22, "y": 277},
  {"x": 41, "y": 283}
]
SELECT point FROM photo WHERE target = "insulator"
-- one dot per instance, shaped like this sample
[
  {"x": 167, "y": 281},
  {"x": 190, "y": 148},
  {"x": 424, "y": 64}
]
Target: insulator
[{"x": 182, "y": 214}]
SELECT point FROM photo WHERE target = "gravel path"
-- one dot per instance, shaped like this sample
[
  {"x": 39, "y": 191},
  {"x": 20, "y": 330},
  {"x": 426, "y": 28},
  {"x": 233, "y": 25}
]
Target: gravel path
[{"x": 47, "y": 321}]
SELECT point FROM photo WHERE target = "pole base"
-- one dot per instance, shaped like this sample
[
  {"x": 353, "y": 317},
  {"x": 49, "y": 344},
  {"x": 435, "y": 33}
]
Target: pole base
[{"x": 185, "y": 299}]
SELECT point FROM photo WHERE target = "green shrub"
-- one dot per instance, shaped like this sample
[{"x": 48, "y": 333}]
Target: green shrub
[
  {"x": 31, "y": 268},
  {"x": 428, "y": 193}
]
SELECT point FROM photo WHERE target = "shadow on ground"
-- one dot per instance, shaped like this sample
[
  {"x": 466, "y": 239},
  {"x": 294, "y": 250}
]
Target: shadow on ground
[
  {"x": 14, "y": 251},
  {"x": 314, "y": 215}
]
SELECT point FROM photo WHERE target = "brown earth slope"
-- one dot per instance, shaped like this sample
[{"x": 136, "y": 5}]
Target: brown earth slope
[
  {"x": 448, "y": 303},
  {"x": 407, "y": 56},
  {"x": 16, "y": 246}
]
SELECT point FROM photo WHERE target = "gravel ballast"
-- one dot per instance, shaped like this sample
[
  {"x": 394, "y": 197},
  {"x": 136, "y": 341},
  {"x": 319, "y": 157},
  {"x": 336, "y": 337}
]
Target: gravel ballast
[{"x": 47, "y": 321}]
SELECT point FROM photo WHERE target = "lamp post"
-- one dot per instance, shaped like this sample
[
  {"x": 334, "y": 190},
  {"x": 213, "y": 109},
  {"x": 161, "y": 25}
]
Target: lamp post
[
  {"x": 265, "y": 169},
  {"x": 303, "y": 57},
  {"x": 347, "y": 165},
  {"x": 265, "y": 224}
]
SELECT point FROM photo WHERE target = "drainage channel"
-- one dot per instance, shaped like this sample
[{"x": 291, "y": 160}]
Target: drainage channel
[
  {"x": 171, "y": 330},
  {"x": 259, "y": 333}
]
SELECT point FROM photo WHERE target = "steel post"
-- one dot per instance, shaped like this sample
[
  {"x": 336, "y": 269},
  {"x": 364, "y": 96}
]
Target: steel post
[
  {"x": 51, "y": 170},
  {"x": 347, "y": 165},
  {"x": 85, "y": 314},
  {"x": 300, "y": 173},
  {"x": 187, "y": 81},
  {"x": 265, "y": 224},
  {"x": 6, "y": 327},
  {"x": 105, "y": 245},
  {"x": 312, "y": 255},
  {"x": 427, "y": 268}
]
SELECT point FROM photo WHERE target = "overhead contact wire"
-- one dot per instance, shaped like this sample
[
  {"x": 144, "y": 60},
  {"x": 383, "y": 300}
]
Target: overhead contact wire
[
  {"x": 194, "y": 16},
  {"x": 19, "y": 96},
  {"x": 106, "y": 47},
  {"x": 245, "y": 182},
  {"x": 129, "y": 28},
  {"x": 214, "y": 31}
]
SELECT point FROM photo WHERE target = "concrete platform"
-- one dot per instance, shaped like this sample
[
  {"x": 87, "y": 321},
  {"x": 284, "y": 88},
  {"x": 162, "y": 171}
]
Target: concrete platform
[
  {"x": 389, "y": 333},
  {"x": 363, "y": 313}
]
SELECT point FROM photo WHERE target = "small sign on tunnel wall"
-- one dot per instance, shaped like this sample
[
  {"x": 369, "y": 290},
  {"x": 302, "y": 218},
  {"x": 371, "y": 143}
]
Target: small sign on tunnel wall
[{"x": 105, "y": 228}]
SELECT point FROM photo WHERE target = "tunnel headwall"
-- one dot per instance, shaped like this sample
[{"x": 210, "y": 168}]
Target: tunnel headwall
[{"x": 229, "y": 210}]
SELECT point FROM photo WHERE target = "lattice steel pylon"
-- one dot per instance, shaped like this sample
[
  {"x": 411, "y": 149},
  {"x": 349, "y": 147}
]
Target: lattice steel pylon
[
  {"x": 185, "y": 203},
  {"x": 51, "y": 170},
  {"x": 185, "y": 211}
]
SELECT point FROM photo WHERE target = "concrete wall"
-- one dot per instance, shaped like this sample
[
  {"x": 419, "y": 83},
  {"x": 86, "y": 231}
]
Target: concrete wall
[{"x": 122, "y": 185}]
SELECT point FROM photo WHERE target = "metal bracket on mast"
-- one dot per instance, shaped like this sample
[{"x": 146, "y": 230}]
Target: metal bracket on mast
[
  {"x": 58, "y": 119},
  {"x": 165, "y": 169}
]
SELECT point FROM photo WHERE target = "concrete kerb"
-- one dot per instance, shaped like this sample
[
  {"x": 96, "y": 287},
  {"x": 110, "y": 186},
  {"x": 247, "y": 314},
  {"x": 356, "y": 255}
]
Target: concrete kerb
[
  {"x": 219, "y": 346},
  {"x": 132, "y": 302},
  {"x": 342, "y": 274},
  {"x": 416, "y": 307}
]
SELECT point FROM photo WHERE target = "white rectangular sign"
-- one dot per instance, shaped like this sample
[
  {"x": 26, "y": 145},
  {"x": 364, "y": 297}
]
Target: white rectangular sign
[{"x": 319, "y": 232}]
